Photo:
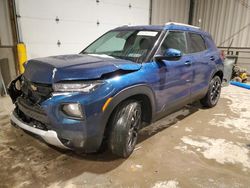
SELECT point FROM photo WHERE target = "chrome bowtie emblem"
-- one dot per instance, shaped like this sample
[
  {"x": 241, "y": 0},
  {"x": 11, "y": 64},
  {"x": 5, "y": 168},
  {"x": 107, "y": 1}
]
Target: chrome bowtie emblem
[{"x": 34, "y": 88}]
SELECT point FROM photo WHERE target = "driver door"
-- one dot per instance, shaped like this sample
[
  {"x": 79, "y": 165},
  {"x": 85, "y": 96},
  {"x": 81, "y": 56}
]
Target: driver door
[{"x": 174, "y": 76}]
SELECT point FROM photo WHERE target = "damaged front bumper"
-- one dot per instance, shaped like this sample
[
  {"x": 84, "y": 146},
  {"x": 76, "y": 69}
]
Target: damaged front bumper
[
  {"x": 48, "y": 136},
  {"x": 39, "y": 123},
  {"x": 46, "y": 119}
]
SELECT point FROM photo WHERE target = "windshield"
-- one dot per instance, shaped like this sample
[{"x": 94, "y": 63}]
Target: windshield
[{"x": 130, "y": 45}]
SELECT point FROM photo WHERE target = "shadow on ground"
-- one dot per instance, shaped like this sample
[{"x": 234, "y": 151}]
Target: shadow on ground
[{"x": 168, "y": 121}]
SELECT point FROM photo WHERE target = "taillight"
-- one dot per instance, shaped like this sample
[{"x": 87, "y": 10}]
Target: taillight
[{"x": 222, "y": 55}]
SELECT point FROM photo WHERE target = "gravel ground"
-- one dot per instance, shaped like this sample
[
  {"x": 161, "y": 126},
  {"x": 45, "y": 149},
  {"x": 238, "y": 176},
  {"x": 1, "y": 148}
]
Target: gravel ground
[{"x": 193, "y": 147}]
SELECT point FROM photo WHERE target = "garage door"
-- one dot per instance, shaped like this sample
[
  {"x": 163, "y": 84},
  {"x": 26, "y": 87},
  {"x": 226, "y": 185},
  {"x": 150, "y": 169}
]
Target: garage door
[{"x": 53, "y": 27}]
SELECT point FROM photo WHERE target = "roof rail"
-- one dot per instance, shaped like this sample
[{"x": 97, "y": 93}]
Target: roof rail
[{"x": 181, "y": 24}]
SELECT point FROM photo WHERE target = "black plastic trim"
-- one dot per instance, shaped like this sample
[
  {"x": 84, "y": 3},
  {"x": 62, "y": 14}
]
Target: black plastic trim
[{"x": 33, "y": 111}]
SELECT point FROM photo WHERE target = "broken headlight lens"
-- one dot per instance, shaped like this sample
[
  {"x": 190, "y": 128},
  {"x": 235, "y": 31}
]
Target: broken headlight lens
[{"x": 85, "y": 87}]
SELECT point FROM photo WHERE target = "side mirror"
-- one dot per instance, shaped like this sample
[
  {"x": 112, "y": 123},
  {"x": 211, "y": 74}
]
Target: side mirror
[{"x": 169, "y": 54}]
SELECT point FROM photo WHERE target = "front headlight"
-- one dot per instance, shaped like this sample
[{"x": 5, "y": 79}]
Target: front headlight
[{"x": 80, "y": 86}]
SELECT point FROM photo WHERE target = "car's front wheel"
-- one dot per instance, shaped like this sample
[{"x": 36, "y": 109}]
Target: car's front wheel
[
  {"x": 125, "y": 124},
  {"x": 213, "y": 94}
]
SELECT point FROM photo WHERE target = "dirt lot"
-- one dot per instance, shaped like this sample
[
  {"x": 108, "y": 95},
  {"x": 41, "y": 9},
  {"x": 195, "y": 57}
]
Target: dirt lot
[{"x": 193, "y": 147}]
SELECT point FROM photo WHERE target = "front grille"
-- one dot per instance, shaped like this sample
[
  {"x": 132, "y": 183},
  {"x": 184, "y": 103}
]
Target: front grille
[
  {"x": 31, "y": 111},
  {"x": 36, "y": 93},
  {"x": 31, "y": 114}
]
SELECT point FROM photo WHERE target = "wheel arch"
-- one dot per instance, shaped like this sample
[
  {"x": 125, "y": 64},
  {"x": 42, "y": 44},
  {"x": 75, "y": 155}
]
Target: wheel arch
[
  {"x": 142, "y": 93},
  {"x": 219, "y": 73}
]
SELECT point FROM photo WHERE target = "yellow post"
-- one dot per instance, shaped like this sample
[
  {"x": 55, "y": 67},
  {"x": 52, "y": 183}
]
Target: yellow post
[{"x": 22, "y": 56}]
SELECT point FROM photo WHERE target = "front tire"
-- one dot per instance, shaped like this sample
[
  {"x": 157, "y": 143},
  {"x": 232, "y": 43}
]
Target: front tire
[
  {"x": 213, "y": 94},
  {"x": 125, "y": 124}
]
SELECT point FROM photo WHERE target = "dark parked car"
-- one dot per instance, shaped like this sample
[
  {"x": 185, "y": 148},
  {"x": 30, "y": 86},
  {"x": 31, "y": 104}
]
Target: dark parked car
[{"x": 130, "y": 75}]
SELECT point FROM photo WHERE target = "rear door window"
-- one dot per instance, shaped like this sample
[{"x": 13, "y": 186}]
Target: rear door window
[{"x": 196, "y": 43}]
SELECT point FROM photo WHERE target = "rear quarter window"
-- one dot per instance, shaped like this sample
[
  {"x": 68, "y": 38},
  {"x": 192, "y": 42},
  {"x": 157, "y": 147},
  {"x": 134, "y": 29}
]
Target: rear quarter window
[{"x": 196, "y": 43}]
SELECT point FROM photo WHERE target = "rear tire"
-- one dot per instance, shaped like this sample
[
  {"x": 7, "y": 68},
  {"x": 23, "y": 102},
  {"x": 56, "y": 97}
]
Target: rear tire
[
  {"x": 213, "y": 94},
  {"x": 125, "y": 124}
]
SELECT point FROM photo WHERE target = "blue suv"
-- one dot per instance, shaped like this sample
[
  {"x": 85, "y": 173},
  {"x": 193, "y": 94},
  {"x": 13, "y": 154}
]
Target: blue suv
[{"x": 129, "y": 77}]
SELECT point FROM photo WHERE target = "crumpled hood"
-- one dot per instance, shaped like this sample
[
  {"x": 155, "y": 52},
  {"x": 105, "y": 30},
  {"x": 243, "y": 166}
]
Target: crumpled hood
[{"x": 74, "y": 67}]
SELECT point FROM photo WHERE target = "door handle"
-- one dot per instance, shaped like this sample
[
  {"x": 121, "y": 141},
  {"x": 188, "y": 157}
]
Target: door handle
[
  {"x": 212, "y": 58},
  {"x": 188, "y": 63}
]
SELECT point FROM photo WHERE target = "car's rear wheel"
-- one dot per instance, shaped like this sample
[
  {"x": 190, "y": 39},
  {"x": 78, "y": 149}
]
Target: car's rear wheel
[
  {"x": 125, "y": 124},
  {"x": 213, "y": 94}
]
